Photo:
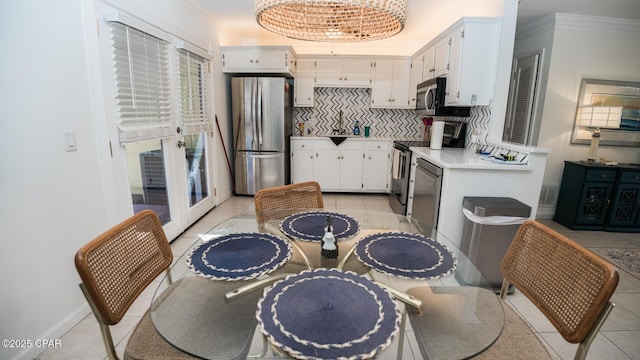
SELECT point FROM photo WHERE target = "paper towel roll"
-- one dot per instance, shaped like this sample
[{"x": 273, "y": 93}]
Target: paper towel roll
[{"x": 437, "y": 131}]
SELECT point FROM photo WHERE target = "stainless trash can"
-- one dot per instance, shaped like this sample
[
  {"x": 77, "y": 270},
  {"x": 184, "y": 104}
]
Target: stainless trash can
[{"x": 490, "y": 225}]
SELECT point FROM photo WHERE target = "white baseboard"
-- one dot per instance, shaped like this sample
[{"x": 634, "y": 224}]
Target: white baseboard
[
  {"x": 56, "y": 332},
  {"x": 545, "y": 212}
]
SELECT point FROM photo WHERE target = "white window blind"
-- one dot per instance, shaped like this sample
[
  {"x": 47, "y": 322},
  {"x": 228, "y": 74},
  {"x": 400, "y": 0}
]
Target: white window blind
[
  {"x": 142, "y": 81},
  {"x": 194, "y": 93}
]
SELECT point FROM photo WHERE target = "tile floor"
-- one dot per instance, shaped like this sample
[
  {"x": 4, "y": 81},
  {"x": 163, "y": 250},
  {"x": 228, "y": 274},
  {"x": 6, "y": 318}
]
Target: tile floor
[{"x": 618, "y": 339}]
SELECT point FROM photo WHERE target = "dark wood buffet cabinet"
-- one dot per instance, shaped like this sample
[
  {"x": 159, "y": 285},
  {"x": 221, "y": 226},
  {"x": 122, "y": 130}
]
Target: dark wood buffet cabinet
[{"x": 599, "y": 197}]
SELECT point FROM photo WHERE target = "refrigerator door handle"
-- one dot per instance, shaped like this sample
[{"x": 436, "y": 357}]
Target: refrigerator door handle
[
  {"x": 259, "y": 119},
  {"x": 254, "y": 115},
  {"x": 266, "y": 156}
]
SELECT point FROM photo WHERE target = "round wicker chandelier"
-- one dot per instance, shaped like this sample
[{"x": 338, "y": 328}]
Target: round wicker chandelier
[{"x": 333, "y": 20}]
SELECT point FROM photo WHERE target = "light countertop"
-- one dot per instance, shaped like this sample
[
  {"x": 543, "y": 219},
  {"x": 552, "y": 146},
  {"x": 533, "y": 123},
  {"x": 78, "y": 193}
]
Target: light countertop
[
  {"x": 350, "y": 137},
  {"x": 463, "y": 159}
]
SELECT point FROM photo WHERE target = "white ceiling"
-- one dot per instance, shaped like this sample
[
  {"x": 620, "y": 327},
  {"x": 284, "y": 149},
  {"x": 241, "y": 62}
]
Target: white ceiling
[{"x": 236, "y": 25}]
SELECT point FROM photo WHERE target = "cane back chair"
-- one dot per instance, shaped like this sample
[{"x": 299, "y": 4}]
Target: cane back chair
[
  {"x": 276, "y": 203},
  {"x": 569, "y": 284},
  {"x": 115, "y": 268}
]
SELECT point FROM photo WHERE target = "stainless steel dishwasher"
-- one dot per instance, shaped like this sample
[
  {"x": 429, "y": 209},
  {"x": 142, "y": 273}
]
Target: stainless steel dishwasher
[{"x": 426, "y": 196}]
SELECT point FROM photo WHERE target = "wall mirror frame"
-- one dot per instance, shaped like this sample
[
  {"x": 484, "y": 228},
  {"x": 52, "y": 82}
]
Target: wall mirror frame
[{"x": 623, "y": 97}]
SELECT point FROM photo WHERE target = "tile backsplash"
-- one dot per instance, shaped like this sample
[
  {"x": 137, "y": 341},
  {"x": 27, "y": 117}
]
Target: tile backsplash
[{"x": 323, "y": 118}]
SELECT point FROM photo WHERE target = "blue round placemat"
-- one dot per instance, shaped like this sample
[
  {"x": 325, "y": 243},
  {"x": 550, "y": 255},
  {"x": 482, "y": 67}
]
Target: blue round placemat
[
  {"x": 328, "y": 314},
  {"x": 309, "y": 226},
  {"x": 240, "y": 256},
  {"x": 406, "y": 255}
]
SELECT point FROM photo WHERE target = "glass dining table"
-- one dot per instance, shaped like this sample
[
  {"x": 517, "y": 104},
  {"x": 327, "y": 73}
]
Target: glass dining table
[{"x": 352, "y": 306}]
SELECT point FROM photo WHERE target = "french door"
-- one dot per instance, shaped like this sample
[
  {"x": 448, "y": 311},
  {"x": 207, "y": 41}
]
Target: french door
[
  {"x": 162, "y": 121},
  {"x": 172, "y": 177}
]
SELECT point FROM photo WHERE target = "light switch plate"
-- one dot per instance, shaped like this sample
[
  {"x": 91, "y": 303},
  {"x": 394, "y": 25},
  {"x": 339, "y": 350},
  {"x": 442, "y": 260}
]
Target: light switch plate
[{"x": 70, "y": 137}]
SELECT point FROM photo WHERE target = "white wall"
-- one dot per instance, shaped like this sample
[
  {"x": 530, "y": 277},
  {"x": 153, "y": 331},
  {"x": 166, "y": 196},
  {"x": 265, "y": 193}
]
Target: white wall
[
  {"x": 579, "y": 47},
  {"x": 54, "y": 201},
  {"x": 51, "y": 199}
]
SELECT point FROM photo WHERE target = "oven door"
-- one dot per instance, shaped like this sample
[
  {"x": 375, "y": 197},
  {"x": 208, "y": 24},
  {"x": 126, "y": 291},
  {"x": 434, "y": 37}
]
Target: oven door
[{"x": 399, "y": 180}]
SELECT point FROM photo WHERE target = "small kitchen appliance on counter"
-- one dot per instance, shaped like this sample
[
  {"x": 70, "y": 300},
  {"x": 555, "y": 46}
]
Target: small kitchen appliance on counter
[{"x": 454, "y": 134}]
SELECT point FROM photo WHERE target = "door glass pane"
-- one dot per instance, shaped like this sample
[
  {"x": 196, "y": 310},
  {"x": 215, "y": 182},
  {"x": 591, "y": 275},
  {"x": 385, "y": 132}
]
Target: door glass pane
[
  {"x": 196, "y": 168},
  {"x": 147, "y": 177}
]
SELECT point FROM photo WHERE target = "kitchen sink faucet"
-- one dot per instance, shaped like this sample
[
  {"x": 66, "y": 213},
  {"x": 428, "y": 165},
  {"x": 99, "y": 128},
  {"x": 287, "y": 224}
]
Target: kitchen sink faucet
[{"x": 340, "y": 130}]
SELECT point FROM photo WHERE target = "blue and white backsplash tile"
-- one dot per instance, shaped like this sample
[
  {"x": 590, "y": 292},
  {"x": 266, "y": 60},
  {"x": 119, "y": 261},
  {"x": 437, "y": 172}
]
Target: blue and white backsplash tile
[{"x": 385, "y": 123}]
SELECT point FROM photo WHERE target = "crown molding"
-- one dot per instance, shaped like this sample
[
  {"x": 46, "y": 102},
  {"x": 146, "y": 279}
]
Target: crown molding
[{"x": 581, "y": 23}]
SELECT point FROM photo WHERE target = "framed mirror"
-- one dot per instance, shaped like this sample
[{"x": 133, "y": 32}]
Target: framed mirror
[{"x": 613, "y": 107}]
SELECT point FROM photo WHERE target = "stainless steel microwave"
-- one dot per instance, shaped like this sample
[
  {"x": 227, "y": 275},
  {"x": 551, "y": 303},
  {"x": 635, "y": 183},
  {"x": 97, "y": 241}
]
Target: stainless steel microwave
[{"x": 430, "y": 99}]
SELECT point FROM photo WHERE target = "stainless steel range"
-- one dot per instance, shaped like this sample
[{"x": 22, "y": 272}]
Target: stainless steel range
[{"x": 400, "y": 170}]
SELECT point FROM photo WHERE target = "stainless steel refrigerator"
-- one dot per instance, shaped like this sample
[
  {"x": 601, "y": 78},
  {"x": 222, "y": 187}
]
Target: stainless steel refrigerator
[{"x": 262, "y": 124}]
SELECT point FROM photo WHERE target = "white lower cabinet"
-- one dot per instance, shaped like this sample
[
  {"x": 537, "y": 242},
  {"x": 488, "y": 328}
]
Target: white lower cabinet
[
  {"x": 356, "y": 165},
  {"x": 339, "y": 167},
  {"x": 302, "y": 161},
  {"x": 377, "y": 157}
]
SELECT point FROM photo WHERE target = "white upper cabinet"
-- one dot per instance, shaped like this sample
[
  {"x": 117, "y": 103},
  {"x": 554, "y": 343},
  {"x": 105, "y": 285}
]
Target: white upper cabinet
[
  {"x": 304, "y": 82},
  {"x": 258, "y": 59},
  {"x": 390, "y": 88},
  {"x": 436, "y": 59},
  {"x": 429, "y": 63},
  {"x": 416, "y": 78},
  {"x": 441, "y": 58},
  {"x": 473, "y": 59},
  {"x": 343, "y": 72}
]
